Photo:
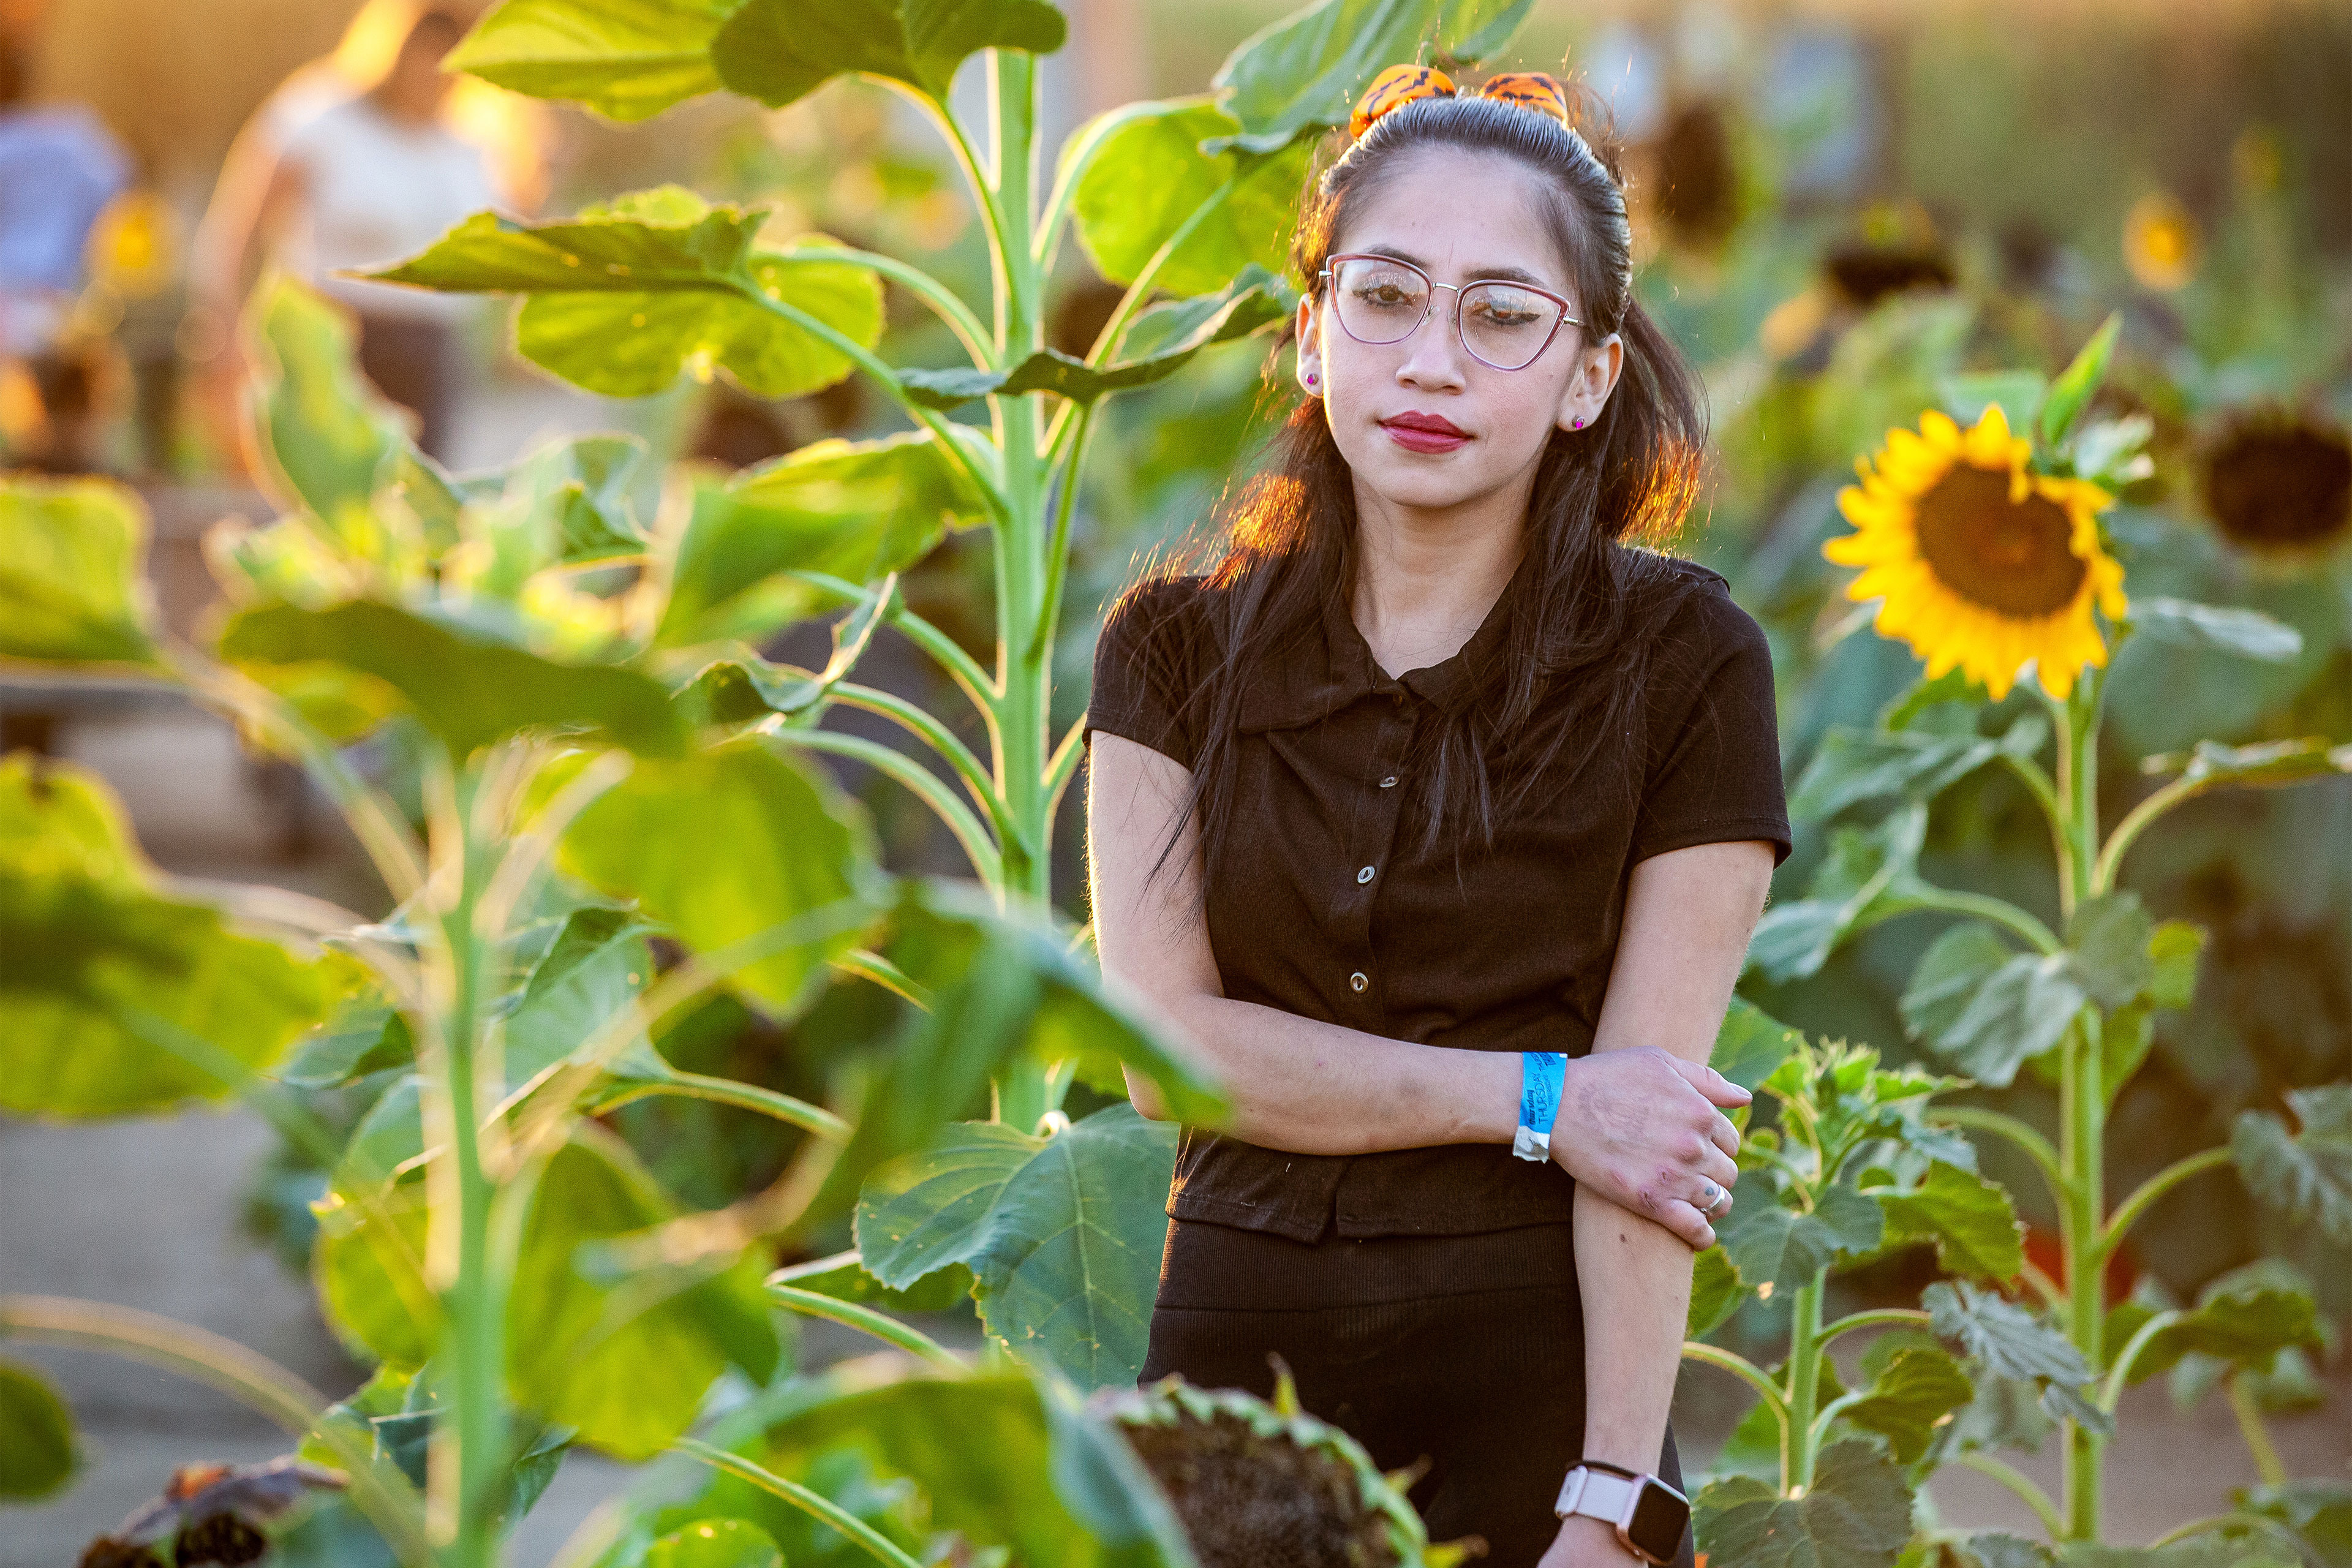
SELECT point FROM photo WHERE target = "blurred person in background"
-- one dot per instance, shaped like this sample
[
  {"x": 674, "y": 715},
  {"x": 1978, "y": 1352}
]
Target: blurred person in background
[
  {"x": 59, "y": 167},
  {"x": 326, "y": 179}
]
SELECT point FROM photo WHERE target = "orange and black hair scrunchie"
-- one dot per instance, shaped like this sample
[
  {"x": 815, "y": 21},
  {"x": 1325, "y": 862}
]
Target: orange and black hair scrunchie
[{"x": 1401, "y": 84}]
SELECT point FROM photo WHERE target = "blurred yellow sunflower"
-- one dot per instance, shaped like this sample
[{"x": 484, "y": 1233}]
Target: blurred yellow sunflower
[{"x": 1978, "y": 563}]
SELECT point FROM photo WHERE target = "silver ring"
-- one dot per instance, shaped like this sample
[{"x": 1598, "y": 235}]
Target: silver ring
[{"x": 1713, "y": 1194}]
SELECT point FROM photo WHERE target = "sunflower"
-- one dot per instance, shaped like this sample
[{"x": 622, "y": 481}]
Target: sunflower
[
  {"x": 1980, "y": 563},
  {"x": 2280, "y": 483}
]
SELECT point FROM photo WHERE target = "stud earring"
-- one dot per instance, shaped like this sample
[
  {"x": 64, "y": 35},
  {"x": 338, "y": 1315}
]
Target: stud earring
[
  {"x": 1577, "y": 423},
  {"x": 1310, "y": 378}
]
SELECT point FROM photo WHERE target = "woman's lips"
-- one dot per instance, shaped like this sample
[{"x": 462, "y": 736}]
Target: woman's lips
[{"x": 1417, "y": 438}]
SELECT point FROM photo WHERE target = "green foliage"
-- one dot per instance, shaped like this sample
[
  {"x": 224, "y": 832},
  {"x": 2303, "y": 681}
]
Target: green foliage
[
  {"x": 1914, "y": 1395},
  {"x": 1149, "y": 179},
  {"x": 2247, "y": 634},
  {"x": 466, "y": 682},
  {"x": 2075, "y": 386},
  {"x": 626, "y": 59},
  {"x": 107, "y": 980},
  {"x": 1305, "y": 69},
  {"x": 2306, "y": 1173},
  {"x": 72, "y": 584},
  {"x": 37, "y": 1453},
  {"x": 856, "y": 510},
  {"x": 326, "y": 433},
  {"x": 2009, "y": 1341},
  {"x": 1717, "y": 1291},
  {"x": 778, "y": 50},
  {"x": 631, "y": 292},
  {"x": 797, "y": 862},
  {"x": 1055, "y": 1230},
  {"x": 716, "y": 1544},
  {"x": 1868, "y": 877},
  {"x": 1971, "y": 1221},
  {"x": 1856, "y": 1515}
]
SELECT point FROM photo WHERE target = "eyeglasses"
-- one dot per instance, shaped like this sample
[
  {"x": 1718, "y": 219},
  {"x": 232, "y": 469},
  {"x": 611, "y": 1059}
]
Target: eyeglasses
[{"x": 1379, "y": 299}]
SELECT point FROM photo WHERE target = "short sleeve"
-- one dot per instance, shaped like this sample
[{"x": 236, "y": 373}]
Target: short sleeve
[
  {"x": 1147, "y": 669},
  {"x": 1716, "y": 776}
]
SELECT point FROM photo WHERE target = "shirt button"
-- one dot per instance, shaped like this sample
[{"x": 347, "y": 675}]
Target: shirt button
[
  {"x": 1357, "y": 981},
  {"x": 1363, "y": 875},
  {"x": 1389, "y": 782}
]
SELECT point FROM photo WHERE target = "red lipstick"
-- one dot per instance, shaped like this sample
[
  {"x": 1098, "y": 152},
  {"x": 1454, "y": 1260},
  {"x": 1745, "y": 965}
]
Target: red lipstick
[{"x": 1419, "y": 432}]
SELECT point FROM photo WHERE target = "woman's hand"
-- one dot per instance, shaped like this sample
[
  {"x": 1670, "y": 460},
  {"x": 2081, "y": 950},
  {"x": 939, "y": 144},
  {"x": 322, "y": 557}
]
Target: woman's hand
[
  {"x": 1585, "y": 1542},
  {"x": 1639, "y": 1126}
]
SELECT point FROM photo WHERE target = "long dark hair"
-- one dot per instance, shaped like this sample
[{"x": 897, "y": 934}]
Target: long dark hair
[{"x": 1286, "y": 544}]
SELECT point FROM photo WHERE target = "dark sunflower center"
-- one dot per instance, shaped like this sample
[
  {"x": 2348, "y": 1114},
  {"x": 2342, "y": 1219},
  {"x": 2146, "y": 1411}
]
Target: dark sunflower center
[
  {"x": 2282, "y": 486},
  {"x": 2005, "y": 555}
]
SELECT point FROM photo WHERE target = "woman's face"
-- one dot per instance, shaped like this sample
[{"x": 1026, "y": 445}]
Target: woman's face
[{"x": 1459, "y": 216}]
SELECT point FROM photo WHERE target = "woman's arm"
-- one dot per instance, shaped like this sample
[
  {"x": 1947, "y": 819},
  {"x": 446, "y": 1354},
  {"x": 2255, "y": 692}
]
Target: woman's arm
[
  {"x": 1688, "y": 913},
  {"x": 1637, "y": 1124}
]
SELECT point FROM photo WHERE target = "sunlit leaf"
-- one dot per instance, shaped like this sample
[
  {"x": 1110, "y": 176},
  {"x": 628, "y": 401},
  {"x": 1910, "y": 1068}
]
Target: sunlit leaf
[
  {"x": 1856, "y": 1515},
  {"x": 1918, "y": 1388},
  {"x": 716, "y": 1544},
  {"x": 623, "y": 58},
  {"x": 363, "y": 1034},
  {"x": 576, "y": 491},
  {"x": 467, "y": 687},
  {"x": 325, "y": 433},
  {"x": 857, "y": 510},
  {"x": 1149, "y": 178},
  {"x": 627, "y": 1363},
  {"x": 73, "y": 588},
  {"x": 843, "y": 1278},
  {"x": 1064, "y": 1234},
  {"x": 781, "y": 50},
  {"x": 2078, "y": 383},
  {"x": 630, "y": 294},
  {"x": 795, "y": 851},
  {"x": 97, "y": 963},
  {"x": 2306, "y": 1173},
  {"x": 1770, "y": 1242},
  {"x": 1306, "y": 69},
  {"x": 38, "y": 1453},
  {"x": 1971, "y": 1221}
]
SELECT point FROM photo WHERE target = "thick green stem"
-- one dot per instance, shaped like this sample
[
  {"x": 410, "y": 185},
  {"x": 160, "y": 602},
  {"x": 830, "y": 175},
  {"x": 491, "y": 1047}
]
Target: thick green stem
[
  {"x": 1805, "y": 1341},
  {"x": 2082, "y": 1111},
  {"x": 467, "y": 1484}
]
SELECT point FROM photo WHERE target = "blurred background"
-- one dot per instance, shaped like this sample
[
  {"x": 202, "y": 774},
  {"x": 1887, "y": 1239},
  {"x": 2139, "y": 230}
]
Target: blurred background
[{"x": 1838, "y": 204}]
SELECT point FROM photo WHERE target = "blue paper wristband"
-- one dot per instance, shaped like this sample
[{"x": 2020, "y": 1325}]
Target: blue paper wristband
[{"x": 1543, "y": 1075}]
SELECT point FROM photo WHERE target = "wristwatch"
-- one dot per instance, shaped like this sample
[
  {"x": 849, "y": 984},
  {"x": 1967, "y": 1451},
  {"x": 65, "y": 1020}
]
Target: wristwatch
[{"x": 1650, "y": 1516}]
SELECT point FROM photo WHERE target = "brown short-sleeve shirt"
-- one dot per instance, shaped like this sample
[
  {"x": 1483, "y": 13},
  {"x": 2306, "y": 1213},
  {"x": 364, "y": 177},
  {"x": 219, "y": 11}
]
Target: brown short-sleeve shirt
[{"x": 1320, "y": 905}]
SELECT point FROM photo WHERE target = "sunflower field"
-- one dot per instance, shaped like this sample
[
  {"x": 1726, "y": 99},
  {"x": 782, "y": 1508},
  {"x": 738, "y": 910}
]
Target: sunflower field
[{"x": 2061, "y": 598}]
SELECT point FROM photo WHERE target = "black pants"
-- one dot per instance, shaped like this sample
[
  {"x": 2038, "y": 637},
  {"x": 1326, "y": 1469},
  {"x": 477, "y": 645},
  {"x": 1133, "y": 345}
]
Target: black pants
[{"x": 1465, "y": 1352}]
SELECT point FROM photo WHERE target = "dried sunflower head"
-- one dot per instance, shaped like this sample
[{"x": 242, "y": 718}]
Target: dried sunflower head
[
  {"x": 211, "y": 1514},
  {"x": 1265, "y": 1485},
  {"x": 2277, "y": 480}
]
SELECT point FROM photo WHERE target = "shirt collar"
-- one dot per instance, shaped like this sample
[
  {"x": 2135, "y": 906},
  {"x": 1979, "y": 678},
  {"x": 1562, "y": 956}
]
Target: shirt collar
[{"x": 1325, "y": 672}]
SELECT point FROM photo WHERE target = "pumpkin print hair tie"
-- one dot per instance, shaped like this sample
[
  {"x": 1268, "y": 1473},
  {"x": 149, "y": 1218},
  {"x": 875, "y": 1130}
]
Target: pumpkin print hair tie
[{"x": 1401, "y": 84}]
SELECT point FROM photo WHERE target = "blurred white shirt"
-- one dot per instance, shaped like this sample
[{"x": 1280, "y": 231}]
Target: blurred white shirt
[{"x": 377, "y": 190}]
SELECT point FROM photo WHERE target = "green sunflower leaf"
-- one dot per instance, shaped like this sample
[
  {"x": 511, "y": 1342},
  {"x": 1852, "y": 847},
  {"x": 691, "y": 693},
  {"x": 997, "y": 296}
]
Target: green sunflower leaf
[
  {"x": 844, "y": 1277},
  {"x": 858, "y": 511},
  {"x": 1307, "y": 69},
  {"x": 716, "y": 1544},
  {"x": 2308, "y": 1173},
  {"x": 2319, "y": 1512},
  {"x": 1857, "y": 1514},
  {"x": 626, "y": 59},
  {"x": 2019, "y": 394},
  {"x": 781, "y": 50},
  {"x": 73, "y": 586},
  {"x": 1868, "y": 877},
  {"x": 2269, "y": 763},
  {"x": 1852, "y": 766},
  {"x": 798, "y": 855},
  {"x": 1717, "y": 1291},
  {"x": 2078, "y": 383},
  {"x": 468, "y": 686},
  {"x": 630, "y": 294},
  {"x": 325, "y": 434},
  {"x": 2249, "y": 634},
  {"x": 1149, "y": 178},
  {"x": 2245, "y": 1323},
  {"x": 1971, "y": 1221},
  {"x": 1916, "y": 1391},
  {"x": 1985, "y": 1009},
  {"x": 1772, "y": 1243},
  {"x": 1750, "y": 1044},
  {"x": 37, "y": 1453},
  {"x": 104, "y": 978},
  {"x": 1063, "y": 1234}
]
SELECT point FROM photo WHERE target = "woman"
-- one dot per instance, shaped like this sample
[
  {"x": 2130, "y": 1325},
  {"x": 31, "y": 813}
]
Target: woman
[{"x": 1431, "y": 781}]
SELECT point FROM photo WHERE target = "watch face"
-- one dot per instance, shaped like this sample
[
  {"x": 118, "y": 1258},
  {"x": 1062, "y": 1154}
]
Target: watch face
[{"x": 1659, "y": 1517}]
